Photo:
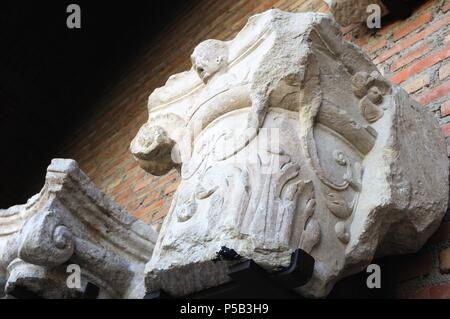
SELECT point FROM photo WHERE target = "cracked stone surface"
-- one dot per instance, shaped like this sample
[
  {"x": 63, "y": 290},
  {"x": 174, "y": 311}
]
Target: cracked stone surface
[
  {"x": 288, "y": 137},
  {"x": 347, "y": 12}
]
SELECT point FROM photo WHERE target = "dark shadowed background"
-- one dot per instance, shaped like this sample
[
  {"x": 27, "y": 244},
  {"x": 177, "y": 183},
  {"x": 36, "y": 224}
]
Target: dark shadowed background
[{"x": 50, "y": 75}]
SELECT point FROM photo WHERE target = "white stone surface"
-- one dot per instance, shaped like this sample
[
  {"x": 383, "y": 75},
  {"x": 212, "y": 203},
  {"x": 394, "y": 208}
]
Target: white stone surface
[
  {"x": 72, "y": 222},
  {"x": 287, "y": 137}
]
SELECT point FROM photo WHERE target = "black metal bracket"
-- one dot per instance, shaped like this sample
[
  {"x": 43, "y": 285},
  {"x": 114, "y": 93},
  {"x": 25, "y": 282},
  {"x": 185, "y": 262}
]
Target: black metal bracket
[
  {"x": 299, "y": 271},
  {"x": 226, "y": 253},
  {"x": 249, "y": 280}
]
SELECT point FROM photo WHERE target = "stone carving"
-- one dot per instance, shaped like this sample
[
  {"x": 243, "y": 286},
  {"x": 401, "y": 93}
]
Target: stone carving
[
  {"x": 71, "y": 222},
  {"x": 288, "y": 137},
  {"x": 370, "y": 89},
  {"x": 347, "y": 12}
]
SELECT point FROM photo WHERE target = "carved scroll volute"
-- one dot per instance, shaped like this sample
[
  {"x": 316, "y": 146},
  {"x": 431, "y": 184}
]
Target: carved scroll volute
[
  {"x": 46, "y": 241},
  {"x": 152, "y": 147},
  {"x": 165, "y": 141},
  {"x": 71, "y": 221},
  {"x": 370, "y": 88}
]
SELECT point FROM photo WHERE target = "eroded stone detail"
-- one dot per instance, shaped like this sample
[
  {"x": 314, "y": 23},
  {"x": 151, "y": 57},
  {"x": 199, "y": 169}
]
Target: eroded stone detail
[
  {"x": 72, "y": 222},
  {"x": 347, "y": 12},
  {"x": 288, "y": 137}
]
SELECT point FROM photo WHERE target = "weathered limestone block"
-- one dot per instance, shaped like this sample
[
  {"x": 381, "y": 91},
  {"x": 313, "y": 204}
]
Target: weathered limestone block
[
  {"x": 347, "y": 12},
  {"x": 72, "y": 222},
  {"x": 288, "y": 137}
]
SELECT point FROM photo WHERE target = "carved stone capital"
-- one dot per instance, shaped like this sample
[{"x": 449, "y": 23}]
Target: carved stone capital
[
  {"x": 72, "y": 222},
  {"x": 347, "y": 12},
  {"x": 288, "y": 137}
]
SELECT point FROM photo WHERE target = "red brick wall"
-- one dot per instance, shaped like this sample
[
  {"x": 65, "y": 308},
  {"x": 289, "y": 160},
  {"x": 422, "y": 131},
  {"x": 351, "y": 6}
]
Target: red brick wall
[{"x": 413, "y": 53}]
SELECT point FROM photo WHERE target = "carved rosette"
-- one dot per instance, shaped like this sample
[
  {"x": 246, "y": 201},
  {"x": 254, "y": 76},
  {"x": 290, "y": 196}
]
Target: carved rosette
[
  {"x": 72, "y": 222},
  {"x": 288, "y": 137}
]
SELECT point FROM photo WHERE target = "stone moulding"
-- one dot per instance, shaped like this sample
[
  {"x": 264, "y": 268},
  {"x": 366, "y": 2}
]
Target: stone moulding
[
  {"x": 288, "y": 137},
  {"x": 72, "y": 222}
]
